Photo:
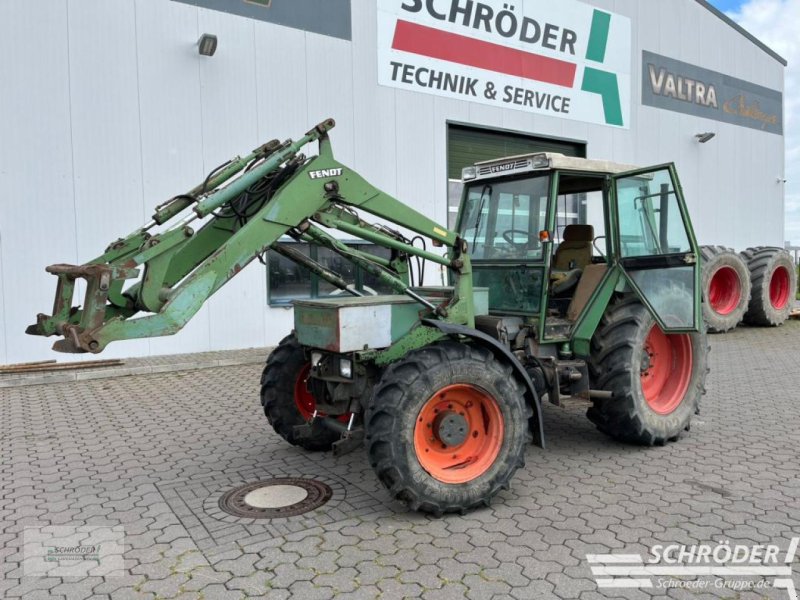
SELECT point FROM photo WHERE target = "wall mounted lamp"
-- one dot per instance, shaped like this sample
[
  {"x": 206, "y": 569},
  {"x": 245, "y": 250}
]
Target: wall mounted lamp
[
  {"x": 705, "y": 137},
  {"x": 207, "y": 44}
]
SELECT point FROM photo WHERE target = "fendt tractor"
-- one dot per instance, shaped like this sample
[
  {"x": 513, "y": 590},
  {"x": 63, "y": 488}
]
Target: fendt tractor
[{"x": 568, "y": 278}]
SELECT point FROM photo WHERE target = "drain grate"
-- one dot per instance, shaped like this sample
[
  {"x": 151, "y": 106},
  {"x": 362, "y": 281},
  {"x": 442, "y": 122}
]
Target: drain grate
[{"x": 275, "y": 498}]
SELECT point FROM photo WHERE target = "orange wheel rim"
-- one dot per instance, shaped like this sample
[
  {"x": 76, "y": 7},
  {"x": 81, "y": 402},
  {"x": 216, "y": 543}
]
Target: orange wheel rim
[
  {"x": 666, "y": 369},
  {"x": 458, "y": 433}
]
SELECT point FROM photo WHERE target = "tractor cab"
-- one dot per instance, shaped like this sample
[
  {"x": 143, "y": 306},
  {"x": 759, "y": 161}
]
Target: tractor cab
[{"x": 544, "y": 230}]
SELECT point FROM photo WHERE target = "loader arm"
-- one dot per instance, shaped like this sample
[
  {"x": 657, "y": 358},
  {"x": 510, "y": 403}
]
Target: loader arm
[{"x": 243, "y": 209}]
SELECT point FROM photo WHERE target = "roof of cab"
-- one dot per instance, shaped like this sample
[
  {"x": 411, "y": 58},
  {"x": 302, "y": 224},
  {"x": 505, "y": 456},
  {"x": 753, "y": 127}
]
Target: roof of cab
[{"x": 555, "y": 161}]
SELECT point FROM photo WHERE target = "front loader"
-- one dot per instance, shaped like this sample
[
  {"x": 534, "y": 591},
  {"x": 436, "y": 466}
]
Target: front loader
[{"x": 568, "y": 278}]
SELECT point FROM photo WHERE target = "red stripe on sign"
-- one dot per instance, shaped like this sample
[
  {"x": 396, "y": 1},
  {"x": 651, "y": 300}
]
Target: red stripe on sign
[{"x": 435, "y": 43}]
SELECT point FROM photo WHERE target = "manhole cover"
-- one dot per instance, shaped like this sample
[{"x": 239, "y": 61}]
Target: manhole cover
[{"x": 274, "y": 498}]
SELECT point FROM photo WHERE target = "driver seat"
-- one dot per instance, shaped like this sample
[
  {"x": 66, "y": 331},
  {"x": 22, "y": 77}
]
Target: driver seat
[{"x": 572, "y": 255}]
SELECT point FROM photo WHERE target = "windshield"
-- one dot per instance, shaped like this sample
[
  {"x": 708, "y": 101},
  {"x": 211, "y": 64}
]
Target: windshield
[{"x": 501, "y": 220}]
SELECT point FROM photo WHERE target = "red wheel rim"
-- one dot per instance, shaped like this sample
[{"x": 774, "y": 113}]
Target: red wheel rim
[
  {"x": 303, "y": 398},
  {"x": 724, "y": 291},
  {"x": 779, "y": 288},
  {"x": 666, "y": 369},
  {"x": 482, "y": 420}
]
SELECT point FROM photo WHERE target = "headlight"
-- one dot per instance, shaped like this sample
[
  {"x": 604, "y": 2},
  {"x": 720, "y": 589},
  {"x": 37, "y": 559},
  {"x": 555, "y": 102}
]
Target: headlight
[
  {"x": 468, "y": 173},
  {"x": 346, "y": 367},
  {"x": 315, "y": 358},
  {"x": 540, "y": 161}
]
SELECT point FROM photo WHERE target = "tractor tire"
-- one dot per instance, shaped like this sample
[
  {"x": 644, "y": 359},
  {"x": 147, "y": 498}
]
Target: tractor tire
[
  {"x": 726, "y": 288},
  {"x": 656, "y": 379},
  {"x": 447, "y": 428},
  {"x": 286, "y": 399},
  {"x": 774, "y": 279}
]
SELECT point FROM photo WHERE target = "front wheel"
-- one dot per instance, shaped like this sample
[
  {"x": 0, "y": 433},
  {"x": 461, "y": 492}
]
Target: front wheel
[
  {"x": 286, "y": 398},
  {"x": 447, "y": 427},
  {"x": 656, "y": 379}
]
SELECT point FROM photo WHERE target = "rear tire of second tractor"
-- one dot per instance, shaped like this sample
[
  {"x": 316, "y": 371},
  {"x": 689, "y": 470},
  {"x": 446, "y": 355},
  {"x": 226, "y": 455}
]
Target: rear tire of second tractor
[
  {"x": 656, "y": 379},
  {"x": 726, "y": 288},
  {"x": 774, "y": 277},
  {"x": 447, "y": 428}
]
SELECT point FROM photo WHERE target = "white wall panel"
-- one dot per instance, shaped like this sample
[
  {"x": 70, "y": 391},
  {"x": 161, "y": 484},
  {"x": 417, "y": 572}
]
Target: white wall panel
[
  {"x": 329, "y": 85},
  {"x": 171, "y": 124},
  {"x": 517, "y": 120},
  {"x": 282, "y": 112},
  {"x": 279, "y": 324},
  {"x": 415, "y": 138},
  {"x": 280, "y": 82},
  {"x": 645, "y": 131},
  {"x": 484, "y": 115},
  {"x": 445, "y": 111},
  {"x": 106, "y": 140},
  {"x": 229, "y": 106},
  {"x": 37, "y": 205},
  {"x": 374, "y": 126}
]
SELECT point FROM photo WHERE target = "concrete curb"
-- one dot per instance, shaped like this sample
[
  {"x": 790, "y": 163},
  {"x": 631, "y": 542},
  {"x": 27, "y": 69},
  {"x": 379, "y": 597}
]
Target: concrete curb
[{"x": 125, "y": 370}]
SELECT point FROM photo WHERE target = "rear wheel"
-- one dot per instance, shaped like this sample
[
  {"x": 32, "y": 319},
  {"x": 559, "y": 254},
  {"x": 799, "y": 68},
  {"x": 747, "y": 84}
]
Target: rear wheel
[
  {"x": 656, "y": 379},
  {"x": 287, "y": 399},
  {"x": 774, "y": 278},
  {"x": 447, "y": 428},
  {"x": 726, "y": 288}
]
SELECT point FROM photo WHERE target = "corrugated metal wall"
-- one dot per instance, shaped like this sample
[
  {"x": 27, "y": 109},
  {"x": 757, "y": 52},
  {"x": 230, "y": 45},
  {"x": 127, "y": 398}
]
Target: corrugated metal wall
[{"x": 106, "y": 109}]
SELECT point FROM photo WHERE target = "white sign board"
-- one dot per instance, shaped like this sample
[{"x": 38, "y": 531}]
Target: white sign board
[{"x": 559, "y": 58}]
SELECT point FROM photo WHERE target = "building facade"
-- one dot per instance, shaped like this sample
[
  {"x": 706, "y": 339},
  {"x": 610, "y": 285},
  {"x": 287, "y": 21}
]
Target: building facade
[{"x": 107, "y": 109}]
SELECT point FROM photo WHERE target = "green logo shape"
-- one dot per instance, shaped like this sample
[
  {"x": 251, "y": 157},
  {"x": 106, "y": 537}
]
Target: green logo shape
[
  {"x": 598, "y": 36},
  {"x": 605, "y": 84},
  {"x": 597, "y": 81}
]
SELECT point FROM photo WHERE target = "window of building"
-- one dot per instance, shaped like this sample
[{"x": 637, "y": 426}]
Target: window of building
[
  {"x": 287, "y": 281},
  {"x": 468, "y": 145}
]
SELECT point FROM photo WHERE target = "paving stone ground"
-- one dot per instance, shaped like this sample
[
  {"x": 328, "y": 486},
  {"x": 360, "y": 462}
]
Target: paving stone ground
[{"x": 153, "y": 454}]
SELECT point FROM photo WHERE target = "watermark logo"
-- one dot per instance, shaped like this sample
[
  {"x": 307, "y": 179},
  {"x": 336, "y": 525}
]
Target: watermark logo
[
  {"x": 64, "y": 551},
  {"x": 65, "y": 554},
  {"x": 723, "y": 565}
]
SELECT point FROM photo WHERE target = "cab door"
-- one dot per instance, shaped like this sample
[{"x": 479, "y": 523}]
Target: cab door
[{"x": 655, "y": 245}]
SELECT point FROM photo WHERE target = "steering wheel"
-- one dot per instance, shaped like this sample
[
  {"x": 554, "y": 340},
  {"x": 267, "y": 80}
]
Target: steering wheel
[{"x": 508, "y": 235}]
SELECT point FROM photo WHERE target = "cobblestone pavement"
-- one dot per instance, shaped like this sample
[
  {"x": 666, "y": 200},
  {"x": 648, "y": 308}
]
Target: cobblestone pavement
[
  {"x": 153, "y": 453},
  {"x": 135, "y": 366}
]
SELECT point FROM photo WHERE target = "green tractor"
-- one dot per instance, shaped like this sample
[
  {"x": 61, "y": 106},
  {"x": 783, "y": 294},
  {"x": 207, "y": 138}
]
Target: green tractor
[{"x": 568, "y": 278}]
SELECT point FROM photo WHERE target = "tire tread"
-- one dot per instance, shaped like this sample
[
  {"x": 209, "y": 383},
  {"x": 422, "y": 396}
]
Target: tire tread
[{"x": 395, "y": 392}]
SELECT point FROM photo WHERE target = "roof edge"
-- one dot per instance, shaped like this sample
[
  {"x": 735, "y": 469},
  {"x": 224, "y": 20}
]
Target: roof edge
[{"x": 743, "y": 31}]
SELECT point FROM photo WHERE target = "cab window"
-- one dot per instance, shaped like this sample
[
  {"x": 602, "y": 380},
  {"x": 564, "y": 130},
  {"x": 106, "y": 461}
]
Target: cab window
[{"x": 502, "y": 219}]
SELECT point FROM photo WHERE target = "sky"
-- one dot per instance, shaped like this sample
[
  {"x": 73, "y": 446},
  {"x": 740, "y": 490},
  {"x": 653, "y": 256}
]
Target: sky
[
  {"x": 727, "y": 5},
  {"x": 777, "y": 24}
]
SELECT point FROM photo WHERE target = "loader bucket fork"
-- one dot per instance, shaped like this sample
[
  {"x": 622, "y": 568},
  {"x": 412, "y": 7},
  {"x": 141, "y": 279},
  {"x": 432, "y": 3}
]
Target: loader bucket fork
[
  {"x": 241, "y": 210},
  {"x": 77, "y": 325}
]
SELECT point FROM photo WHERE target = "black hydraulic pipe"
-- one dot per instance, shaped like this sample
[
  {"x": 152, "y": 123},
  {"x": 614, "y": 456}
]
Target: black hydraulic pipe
[{"x": 316, "y": 268}]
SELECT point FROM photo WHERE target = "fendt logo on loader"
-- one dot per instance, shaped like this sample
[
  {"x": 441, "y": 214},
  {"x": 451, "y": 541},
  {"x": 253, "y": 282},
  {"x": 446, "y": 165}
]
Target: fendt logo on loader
[{"x": 324, "y": 173}]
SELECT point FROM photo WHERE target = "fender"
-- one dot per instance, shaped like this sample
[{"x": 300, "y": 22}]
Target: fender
[{"x": 500, "y": 351}]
